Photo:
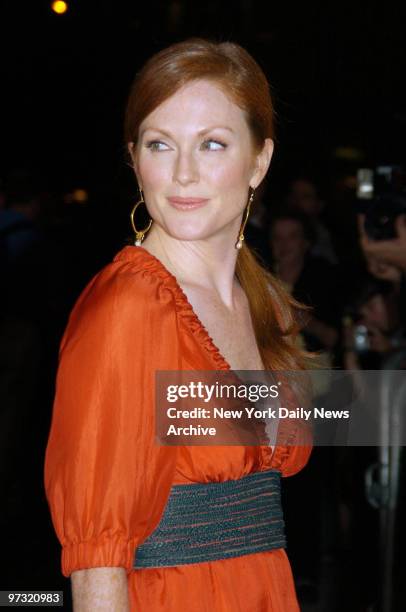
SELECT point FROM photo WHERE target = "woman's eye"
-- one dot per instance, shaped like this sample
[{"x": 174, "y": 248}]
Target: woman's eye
[
  {"x": 157, "y": 145},
  {"x": 213, "y": 145}
]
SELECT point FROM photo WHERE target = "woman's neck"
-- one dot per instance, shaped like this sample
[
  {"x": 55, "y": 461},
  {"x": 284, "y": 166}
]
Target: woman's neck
[{"x": 208, "y": 264}]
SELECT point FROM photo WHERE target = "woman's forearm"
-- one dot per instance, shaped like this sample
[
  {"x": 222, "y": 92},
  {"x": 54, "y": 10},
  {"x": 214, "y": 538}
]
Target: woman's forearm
[{"x": 100, "y": 589}]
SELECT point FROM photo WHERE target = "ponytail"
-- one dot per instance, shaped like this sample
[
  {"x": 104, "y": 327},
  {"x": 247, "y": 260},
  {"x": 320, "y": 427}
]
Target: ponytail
[{"x": 274, "y": 315}]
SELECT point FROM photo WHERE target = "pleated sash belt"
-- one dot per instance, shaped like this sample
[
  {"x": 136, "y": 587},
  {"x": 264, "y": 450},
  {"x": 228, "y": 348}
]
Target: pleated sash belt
[{"x": 216, "y": 520}]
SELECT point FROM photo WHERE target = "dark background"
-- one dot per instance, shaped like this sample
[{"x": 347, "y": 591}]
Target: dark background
[
  {"x": 337, "y": 74},
  {"x": 336, "y": 69}
]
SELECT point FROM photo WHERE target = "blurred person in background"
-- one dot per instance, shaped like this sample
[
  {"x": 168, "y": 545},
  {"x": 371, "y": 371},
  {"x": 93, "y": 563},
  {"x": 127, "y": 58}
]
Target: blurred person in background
[
  {"x": 390, "y": 252},
  {"x": 386, "y": 259},
  {"x": 313, "y": 281},
  {"x": 310, "y": 279},
  {"x": 372, "y": 331},
  {"x": 304, "y": 196},
  {"x": 375, "y": 329}
]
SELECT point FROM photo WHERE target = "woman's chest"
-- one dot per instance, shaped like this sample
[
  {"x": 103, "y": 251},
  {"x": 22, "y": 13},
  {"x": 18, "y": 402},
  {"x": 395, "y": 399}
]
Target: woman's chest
[
  {"x": 232, "y": 332},
  {"x": 237, "y": 343},
  {"x": 233, "y": 335}
]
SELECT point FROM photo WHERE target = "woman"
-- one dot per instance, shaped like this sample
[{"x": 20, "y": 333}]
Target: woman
[{"x": 199, "y": 132}]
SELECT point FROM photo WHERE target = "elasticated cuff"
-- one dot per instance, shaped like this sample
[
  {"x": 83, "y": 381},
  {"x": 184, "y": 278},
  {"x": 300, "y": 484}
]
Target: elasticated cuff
[{"x": 112, "y": 552}]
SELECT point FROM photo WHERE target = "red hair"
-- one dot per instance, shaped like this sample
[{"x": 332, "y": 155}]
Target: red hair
[{"x": 236, "y": 72}]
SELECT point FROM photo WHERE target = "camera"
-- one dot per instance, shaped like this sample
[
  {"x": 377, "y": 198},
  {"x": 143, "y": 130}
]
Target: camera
[
  {"x": 381, "y": 197},
  {"x": 361, "y": 339}
]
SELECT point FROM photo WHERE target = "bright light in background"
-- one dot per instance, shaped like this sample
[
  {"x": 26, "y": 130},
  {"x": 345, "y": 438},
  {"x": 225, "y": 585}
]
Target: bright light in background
[
  {"x": 59, "y": 7},
  {"x": 77, "y": 196}
]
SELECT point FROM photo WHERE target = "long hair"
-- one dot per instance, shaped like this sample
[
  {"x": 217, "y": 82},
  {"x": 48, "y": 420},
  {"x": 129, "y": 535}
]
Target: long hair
[{"x": 233, "y": 69}]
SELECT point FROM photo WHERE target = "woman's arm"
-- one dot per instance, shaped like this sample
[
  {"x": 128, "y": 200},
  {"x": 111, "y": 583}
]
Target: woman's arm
[
  {"x": 100, "y": 589},
  {"x": 102, "y": 465}
]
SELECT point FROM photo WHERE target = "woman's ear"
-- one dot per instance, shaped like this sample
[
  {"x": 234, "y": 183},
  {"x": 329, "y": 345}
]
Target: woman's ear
[
  {"x": 132, "y": 150},
  {"x": 262, "y": 163}
]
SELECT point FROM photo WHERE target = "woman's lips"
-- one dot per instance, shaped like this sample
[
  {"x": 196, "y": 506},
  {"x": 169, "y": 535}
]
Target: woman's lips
[{"x": 187, "y": 203}]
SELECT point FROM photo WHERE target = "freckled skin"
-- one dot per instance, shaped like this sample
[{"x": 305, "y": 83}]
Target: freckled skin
[{"x": 100, "y": 589}]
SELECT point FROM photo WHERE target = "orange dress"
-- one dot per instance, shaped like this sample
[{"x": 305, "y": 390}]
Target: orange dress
[{"x": 106, "y": 480}]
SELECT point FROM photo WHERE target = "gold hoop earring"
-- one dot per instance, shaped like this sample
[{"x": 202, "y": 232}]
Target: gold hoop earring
[
  {"x": 139, "y": 234},
  {"x": 241, "y": 237}
]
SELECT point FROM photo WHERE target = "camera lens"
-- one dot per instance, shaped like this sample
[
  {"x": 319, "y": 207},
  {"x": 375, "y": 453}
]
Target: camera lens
[{"x": 361, "y": 338}]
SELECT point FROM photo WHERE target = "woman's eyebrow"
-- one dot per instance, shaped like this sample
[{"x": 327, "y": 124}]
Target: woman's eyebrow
[
  {"x": 153, "y": 129},
  {"x": 200, "y": 132},
  {"x": 215, "y": 127}
]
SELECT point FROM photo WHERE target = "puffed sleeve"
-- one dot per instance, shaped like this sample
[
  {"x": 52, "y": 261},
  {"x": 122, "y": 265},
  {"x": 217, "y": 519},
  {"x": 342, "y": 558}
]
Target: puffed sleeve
[{"x": 106, "y": 480}]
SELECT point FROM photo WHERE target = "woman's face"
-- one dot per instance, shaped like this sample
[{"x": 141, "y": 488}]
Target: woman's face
[{"x": 195, "y": 162}]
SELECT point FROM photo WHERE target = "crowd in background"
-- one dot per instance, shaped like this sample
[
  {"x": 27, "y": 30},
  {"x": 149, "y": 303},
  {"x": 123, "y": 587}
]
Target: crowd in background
[
  {"x": 313, "y": 241},
  {"x": 355, "y": 287}
]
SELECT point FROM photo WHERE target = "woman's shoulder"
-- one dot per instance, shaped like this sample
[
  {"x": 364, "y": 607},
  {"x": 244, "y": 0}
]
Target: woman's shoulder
[
  {"x": 132, "y": 274},
  {"x": 133, "y": 283}
]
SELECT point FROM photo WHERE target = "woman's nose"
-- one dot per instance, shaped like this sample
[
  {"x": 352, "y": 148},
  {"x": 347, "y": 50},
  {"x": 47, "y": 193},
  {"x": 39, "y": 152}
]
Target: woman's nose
[{"x": 186, "y": 169}]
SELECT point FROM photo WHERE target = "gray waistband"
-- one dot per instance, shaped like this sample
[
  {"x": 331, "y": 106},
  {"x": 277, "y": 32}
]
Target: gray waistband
[{"x": 216, "y": 520}]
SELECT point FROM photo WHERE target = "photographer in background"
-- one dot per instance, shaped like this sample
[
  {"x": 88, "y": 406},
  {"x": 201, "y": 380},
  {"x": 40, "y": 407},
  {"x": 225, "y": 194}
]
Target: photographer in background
[
  {"x": 382, "y": 225},
  {"x": 374, "y": 328},
  {"x": 386, "y": 259},
  {"x": 391, "y": 252},
  {"x": 371, "y": 331}
]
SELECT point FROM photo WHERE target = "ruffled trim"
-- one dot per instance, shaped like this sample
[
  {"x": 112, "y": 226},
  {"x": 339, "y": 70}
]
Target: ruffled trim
[
  {"x": 112, "y": 552},
  {"x": 289, "y": 432},
  {"x": 151, "y": 265},
  {"x": 284, "y": 441}
]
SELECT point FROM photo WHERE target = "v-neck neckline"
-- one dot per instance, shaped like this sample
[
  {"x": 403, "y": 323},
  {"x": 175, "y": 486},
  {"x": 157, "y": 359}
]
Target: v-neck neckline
[{"x": 186, "y": 307}]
